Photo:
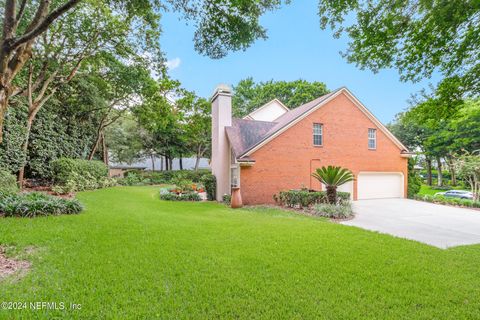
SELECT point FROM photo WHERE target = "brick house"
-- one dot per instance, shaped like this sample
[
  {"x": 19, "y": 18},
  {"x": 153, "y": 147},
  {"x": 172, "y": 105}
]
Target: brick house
[{"x": 274, "y": 148}]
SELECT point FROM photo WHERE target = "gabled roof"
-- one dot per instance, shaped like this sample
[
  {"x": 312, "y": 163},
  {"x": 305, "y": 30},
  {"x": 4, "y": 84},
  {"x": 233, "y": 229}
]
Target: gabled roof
[
  {"x": 244, "y": 134},
  {"x": 263, "y": 136},
  {"x": 250, "y": 116}
]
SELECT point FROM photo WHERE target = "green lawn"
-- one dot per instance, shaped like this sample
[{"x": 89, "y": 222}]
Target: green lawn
[
  {"x": 432, "y": 190},
  {"x": 132, "y": 256}
]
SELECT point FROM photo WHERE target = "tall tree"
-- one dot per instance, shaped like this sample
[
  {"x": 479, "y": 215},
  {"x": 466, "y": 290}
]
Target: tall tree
[
  {"x": 221, "y": 26},
  {"x": 249, "y": 95},
  {"x": 197, "y": 126},
  {"x": 417, "y": 38},
  {"x": 22, "y": 24}
]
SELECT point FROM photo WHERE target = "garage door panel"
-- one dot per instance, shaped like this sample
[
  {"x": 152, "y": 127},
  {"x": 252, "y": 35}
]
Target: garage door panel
[{"x": 377, "y": 185}]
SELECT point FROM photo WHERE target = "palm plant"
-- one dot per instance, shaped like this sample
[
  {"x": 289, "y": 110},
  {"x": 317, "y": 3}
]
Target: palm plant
[{"x": 333, "y": 177}]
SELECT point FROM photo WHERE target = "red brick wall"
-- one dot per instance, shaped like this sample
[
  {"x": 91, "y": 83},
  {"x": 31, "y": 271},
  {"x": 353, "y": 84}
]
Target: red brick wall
[{"x": 287, "y": 161}]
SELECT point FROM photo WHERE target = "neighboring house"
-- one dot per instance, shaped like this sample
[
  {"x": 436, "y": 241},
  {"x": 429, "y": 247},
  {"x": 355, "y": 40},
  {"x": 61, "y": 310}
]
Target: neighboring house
[
  {"x": 274, "y": 148},
  {"x": 118, "y": 169}
]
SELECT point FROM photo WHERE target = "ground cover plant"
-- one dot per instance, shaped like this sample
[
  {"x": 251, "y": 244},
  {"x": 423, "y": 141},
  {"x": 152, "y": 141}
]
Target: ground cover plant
[
  {"x": 341, "y": 211},
  {"x": 35, "y": 204},
  {"x": 131, "y": 256}
]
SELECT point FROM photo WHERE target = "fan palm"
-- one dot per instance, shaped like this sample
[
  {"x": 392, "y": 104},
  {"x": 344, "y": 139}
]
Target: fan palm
[{"x": 333, "y": 177}]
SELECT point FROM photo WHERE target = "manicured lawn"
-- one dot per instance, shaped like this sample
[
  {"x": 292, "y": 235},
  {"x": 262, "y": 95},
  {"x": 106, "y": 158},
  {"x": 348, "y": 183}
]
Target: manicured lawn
[
  {"x": 432, "y": 190},
  {"x": 132, "y": 256}
]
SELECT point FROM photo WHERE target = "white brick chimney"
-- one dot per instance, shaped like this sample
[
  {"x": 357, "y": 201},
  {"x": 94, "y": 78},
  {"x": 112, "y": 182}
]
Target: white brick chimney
[{"x": 221, "y": 118}]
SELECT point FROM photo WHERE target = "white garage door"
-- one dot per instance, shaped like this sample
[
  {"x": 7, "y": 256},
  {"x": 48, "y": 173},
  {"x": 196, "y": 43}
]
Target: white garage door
[{"x": 378, "y": 185}]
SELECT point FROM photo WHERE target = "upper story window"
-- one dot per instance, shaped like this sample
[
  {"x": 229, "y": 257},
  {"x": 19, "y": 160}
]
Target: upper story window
[
  {"x": 372, "y": 139},
  {"x": 317, "y": 134}
]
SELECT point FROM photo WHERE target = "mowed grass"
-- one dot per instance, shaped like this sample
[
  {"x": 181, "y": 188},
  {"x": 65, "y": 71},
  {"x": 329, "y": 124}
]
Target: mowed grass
[
  {"x": 132, "y": 256},
  {"x": 432, "y": 190}
]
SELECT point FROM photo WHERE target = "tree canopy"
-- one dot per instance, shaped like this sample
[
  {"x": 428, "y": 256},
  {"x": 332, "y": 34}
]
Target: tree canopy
[
  {"x": 249, "y": 95},
  {"x": 418, "y": 38}
]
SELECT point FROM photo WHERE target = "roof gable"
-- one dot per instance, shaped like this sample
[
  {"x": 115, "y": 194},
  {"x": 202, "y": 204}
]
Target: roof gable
[
  {"x": 292, "y": 117},
  {"x": 270, "y": 111}
]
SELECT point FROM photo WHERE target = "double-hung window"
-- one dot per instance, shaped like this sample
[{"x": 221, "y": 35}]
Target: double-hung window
[
  {"x": 372, "y": 139},
  {"x": 317, "y": 134}
]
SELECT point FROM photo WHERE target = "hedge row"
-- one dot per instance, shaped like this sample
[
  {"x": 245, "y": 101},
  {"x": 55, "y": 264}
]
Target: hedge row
[
  {"x": 162, "y": 177},
  {"x": 304, "y": 199}
]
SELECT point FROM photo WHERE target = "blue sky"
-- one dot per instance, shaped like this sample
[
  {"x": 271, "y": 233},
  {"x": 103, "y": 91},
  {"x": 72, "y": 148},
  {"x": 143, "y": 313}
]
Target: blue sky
[{"x": 296, "y": 49}]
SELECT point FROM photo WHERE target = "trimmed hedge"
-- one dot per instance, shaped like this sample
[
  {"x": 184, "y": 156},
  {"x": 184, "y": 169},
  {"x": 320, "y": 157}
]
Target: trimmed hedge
[
  {"x": 65, "y": 169},
  {"x": 304, "y": 198},
  {"x": 448, "y": 201},
  {"x": 36, "y": 204},
  {"x": 8, "y": 182}
]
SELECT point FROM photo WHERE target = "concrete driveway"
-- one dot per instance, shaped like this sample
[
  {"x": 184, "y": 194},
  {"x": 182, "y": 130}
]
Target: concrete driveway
[{"x": 436, "y": 225}]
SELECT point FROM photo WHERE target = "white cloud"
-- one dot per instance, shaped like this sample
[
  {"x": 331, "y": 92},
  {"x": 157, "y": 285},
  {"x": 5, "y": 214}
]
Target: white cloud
[{"x": 173, "y": 63}]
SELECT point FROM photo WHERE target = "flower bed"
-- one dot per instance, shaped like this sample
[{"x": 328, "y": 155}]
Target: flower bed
[{"x": 184, "y": 191}]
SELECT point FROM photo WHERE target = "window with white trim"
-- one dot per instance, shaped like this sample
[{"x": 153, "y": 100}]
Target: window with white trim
[
  {"x": 317, "y": 134},
  {"x": 372, "y": 139}
]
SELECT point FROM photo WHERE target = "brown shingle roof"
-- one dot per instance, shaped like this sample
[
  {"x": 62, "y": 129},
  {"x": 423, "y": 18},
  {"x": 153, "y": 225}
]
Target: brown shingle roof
[{"x": 245, "y": 134}]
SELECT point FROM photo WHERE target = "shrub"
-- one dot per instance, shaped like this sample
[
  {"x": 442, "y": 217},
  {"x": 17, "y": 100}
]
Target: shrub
[
  {"x": 414, "y": 180},
  {"x": 210, "y": 183},
  {"x": 37, "y": 204},
  {"x": 333, "y": 211},
  {"x": 304, "y": 198},
  {"x": 65, "y": 169},
  {"x": 80, "y": 183},
  {"x": 8, "y": 182},
  {"x": 448, "y": 201},
  {"x": 189, "y": 196},
  {"x": 227, "y": 198}
]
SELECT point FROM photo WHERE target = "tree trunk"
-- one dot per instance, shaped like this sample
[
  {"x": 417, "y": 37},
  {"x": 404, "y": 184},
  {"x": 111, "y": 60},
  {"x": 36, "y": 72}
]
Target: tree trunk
[
  {"x": 197, "y": 162},
  {"x": 180, "y": 161},
  {"x": 28, "y": 130},
  {"x": 170, "y": 163},
  {"x": 161, "y": 163},
  {"x": 152, "y": 158},
  {"x": 95, "y": 145},
  {"x": 3, "y": 110},
  {"x": 439, "y": 172},
  {"x": 429, "y": 171},
  {"x": 451, "y": 169},
  {"x": 105, "y": 150},
  {"x": 332, "y": 194}
]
